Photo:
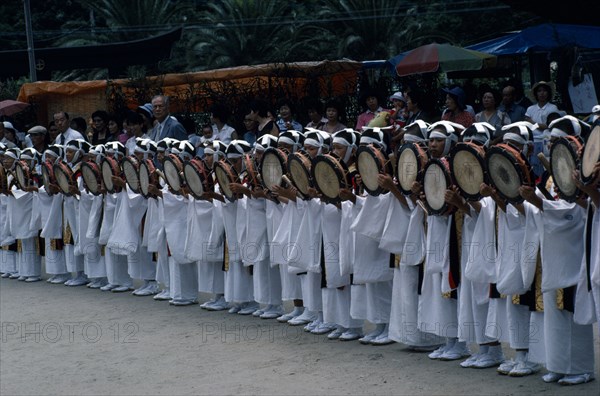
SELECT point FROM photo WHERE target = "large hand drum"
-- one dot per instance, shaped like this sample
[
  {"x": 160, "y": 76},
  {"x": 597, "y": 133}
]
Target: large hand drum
[
  {"x": 564, "y": 159},
  {"x": 591, "y": 155},
  {"x": 370, "y": 163},
  {"x": 131, "y": 170},
  {"x": 273, "y": 167},
  {"x": 64, "y": 177},
  {"x": 412, "y": 159},
  {"x": 436, "y": 180},
  {"x": 197, "y": 177},
  {"x": 147, "y": 177},
  {"x": 508, "y": 170},
  {"x": 467, "y": 166},
  {"x": 226, "y": 175},
  {"x": 330, "y": 175},
  {"x": 173, "y": 168},
  {"x": 23, "y": 174},
  {"x": 110, "y": 167},
  {"x": 254, "y": 178},
  {"x": 92, "y": 178},
  {"x": 299, "y": 166}
]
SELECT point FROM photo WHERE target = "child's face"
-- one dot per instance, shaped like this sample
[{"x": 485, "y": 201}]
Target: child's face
[{"x": 70, "y": 154}]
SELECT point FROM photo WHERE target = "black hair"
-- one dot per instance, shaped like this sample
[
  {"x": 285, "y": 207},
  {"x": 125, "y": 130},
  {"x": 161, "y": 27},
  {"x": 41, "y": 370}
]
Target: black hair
[
  {"x": 133, "y": 117},
  {"x": 220, "y": 111},
  {"x": 81, "y": 124},
  {"x": 261, "y": 107},
  {"x": 100, "y": 114}
]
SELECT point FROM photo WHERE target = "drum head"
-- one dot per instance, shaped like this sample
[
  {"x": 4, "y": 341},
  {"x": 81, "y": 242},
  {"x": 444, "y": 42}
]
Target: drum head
[
  {"x": 22, "y": 171},
  {"x": 47, "y": 176},
  {"x": 62, "y": 179},
  {"x": 563, "y": 161},
  {"x": 591, "y": 155},
  {"x": 90, "y": 178},
  {"x": 300, "y": 174},
  {"x": 467, "y": 167},
  {"x": 224, "y": 178},
  {"x": 194, "y": 178},
  {"x": 108, "y": 169},
  {"x": 435, "y": 184},
  {"x": 172, "y": 174},
  {"x": 329, "y": 179},
  {"x": 408, "y": 167},
  {"x": 369, "y": 167},
  {"x": 272, "y": 168},
  {"x": 504, "y": 174},
  {"x": 144, "y": 178},
  {"x": 131, "y": 170}
]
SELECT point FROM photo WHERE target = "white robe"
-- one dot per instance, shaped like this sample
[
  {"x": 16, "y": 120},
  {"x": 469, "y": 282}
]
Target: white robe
[
  {"x": 20, "y": 208},
  {"x": 279, "y": 223},
  {"x": 116, "y": 264},
  {"x": 8, "y": 263},
  {"x": 51, "y": 216},
  {"x": 90, "y": 207}
]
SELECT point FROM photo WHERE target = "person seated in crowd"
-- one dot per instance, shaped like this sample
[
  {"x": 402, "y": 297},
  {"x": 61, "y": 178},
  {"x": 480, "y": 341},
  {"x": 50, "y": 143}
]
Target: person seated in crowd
[
  {"x": 286, "y": 120},
  {"x": 370, "y": 101},
  {"x": 456, "y": 108},
  {"x": 221, "y": 131}
]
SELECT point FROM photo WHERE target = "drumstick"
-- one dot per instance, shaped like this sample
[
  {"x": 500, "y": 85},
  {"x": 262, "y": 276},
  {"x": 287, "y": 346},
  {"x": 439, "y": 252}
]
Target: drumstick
[
  {"x": 545, "y": 162},
  {"x": 422, "y": 205},
  {"x": 287, "y": 180}
]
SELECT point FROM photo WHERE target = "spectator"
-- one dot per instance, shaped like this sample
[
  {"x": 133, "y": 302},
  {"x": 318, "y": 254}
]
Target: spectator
[
  {"x": 166, "y": 126},
  {"x": 52, "y": 131},
  {"x": 456, "y": 108},
  {"x": 136, "y": 128},
  {"x": 370, "y": 101},
  {"x": 489, "y": 113},
  {"x": 39, "y": 138},
  {"x": 80, "y": 125},
  {"x": 251, "y": 126},
  {"x": 509, "y": 105},
  {"x": 115, "y": 130},
  {"x": 221, "y": 131},
  {"x": 259, "y": 111},
  {"x": 8, "y": 134},
  {"x": 333, "y": 112},
  {"x": 314, "y": 109},
  {"x": 100, "y": 132},
  {"x": 286, "y": 117},
  {"x": 400, "y": 110},
  {"x": 65, "y": 132}
]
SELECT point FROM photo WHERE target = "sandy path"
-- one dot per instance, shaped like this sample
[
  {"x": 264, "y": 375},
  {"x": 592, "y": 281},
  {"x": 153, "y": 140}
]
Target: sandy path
[{"x": 61, "y": 340}]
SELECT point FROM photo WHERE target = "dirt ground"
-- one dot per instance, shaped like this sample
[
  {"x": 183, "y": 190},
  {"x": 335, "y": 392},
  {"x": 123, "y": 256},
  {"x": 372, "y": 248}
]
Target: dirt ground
[{"x": 63, "y": 340}]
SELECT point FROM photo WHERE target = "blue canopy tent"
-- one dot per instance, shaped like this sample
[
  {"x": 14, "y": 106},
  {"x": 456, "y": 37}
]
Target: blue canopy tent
[{"x": 542, "y": 38}]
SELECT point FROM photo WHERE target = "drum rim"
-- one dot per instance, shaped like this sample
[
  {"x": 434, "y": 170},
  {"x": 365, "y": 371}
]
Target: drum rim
[
  {"x": 253, "y": 176},
  {"x": 297, "y": 157},
  {"x": 171, "y": 159},
  {"x": 136, "y": 166},
  {"x": 470, "y": 147},
  {"x": 231, "y": 174},
  {"x": 280, "y": 155},
  {"x": 589, "y": 178},
  {"x": 420, "y": 166},
  {"x": 45, "y": 168},
  {"x": 329, "y": 159},
  {"x": 88, "y": 165},
  {"x": 58, "y": 170},
  {"x": 370, "y": 150},
  {"x": 500, "y": 150},
  {"x": 565, "y": 141},
  {"x": 19, "y": 167},
  {"x": 189, "y": 164},
  {"x": 445, "y": 207},
  {"x": 144, "y": 166},
  {"x": 113, "y": 165}
]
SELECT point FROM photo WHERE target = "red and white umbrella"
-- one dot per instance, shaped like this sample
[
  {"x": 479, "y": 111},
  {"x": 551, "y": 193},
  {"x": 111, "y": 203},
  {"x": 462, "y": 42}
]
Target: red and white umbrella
[{"x": 9, "y": 107}]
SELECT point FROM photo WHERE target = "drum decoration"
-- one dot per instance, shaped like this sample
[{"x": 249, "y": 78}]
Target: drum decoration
[
  {"x": 330, "y": 175},
  {"x": 147, "y": 177},
  {"x": 412, "y": 159},
  {"x": 508, "y": 170},
  {"x": 92, "y": 177},
  {"x": 436, "y": 180},
  {"x": 564, "y": 159},
  {"x": 64, "y": 177},
  {"x": 131, "y": 170},
  {"x": 253, "y": 175},
  {"x": 299, "y": 167},
  {"x": 467, "y": 167},
  {"x": 110, "y": 167},
  {"x": 197, "y": 177},
  {"x": 173, "y": 168},
  {"x": 22, "y": 173},
  {"x": 226, "y": 175},
  {"x": 273, "y": 167},
  {"x": 590, "y": 156},
  {"x": 370, "y": 163}
]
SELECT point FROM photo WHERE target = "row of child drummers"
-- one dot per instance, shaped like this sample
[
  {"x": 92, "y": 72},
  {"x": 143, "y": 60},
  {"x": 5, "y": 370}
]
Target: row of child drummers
[{"x": 481, "y": 271}]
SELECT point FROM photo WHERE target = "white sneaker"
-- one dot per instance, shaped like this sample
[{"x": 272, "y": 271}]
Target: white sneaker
[
  {"x": 234, "y": 309},
  {"x": 306, "y": 317},
  {"x": 324, "y": 328},
  {"x": 507, "y": 366},
  {"x": 458, "y": 351},
  {"x": 207, "y": 303},
  {"x": 219, "y": 305},
  {"x": 522, "y": 369},
  {"x": 312, "y": 325},
  {"x": 370, "y": 336},
  {"x": 576, "y": 379},
  {"x": 382, "y": 339},
  {"x": 108, "y": 287},
  {"x": 249, "y": 308},
  {"x": 297, "y": 311},
  {"x": 494, "y": 357},
  {"x": 257, "y": 313},
  {"x": 351, "y": 334},
  {"x": 183, "y": 303},
  {"x": 164, "y": 295},
  {"x": 60, "y": 278},
  {"x": 78, "y": 281},
  {"x": 121, "y": 289},
  {"x": 49, "y": 280},
  {"x": 275, "y": 312},
  {"x": 551, "y": 376},
  {"x": 150, "y": 289},
  {"x": 97, "y": 283},
  {"x": 335, "y": 334},
  {"x": 33, "y": 279}
]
